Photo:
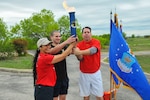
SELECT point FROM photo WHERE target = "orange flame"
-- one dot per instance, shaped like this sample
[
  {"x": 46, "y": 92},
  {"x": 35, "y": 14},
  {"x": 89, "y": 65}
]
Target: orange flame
[{"x": 69, "y": 9}]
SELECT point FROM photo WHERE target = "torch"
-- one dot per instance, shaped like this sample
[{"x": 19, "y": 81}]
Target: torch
[{"x": 71, "y": 11}]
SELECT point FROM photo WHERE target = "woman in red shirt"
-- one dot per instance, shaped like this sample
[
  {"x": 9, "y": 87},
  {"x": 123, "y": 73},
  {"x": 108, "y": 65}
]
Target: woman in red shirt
[{"x": 44, "y": 70}]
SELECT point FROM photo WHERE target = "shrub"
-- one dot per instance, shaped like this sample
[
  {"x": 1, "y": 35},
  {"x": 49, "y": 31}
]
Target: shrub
[
  {"x": 7, "y": 55},
  {"x": 31, "y": 43},
  {"x": 20, "y": 45},
  {"x": 6, "y": 50},
  {"x": 103, "y": 40}
]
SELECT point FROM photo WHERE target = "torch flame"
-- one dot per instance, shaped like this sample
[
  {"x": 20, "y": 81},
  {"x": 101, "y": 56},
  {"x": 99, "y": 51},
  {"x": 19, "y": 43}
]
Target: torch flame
[{"x": 69, "y": 9}]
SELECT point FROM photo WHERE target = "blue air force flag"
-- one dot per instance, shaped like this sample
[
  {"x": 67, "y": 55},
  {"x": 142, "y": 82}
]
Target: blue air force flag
[{"x": 124, "y": 65}]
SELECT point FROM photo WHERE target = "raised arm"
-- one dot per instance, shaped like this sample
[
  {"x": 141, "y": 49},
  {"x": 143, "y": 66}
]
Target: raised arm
[
  {"x": 58, "y": 47},
  {"x": 60, "y": 57}
]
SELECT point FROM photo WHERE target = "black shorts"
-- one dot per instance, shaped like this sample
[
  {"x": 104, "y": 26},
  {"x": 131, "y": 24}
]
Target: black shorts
[
  {"x": 43, "y": 92},
  {"x": 61, "y": 87}
]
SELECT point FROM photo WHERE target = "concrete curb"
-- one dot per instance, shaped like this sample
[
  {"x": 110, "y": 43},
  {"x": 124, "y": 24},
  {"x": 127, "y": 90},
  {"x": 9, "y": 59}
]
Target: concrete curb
[{"x": 16, "y": 70}]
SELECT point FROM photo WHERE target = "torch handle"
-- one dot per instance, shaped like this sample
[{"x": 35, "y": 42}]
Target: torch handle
[{"x": 72, "y": 23}]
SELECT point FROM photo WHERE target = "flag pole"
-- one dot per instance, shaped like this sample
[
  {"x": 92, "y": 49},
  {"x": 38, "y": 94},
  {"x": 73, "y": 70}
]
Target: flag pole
[
  {"x": 112, "y": 85},
  {"x": 110, "y": 70},
  {"x": 110, "y": 15}
]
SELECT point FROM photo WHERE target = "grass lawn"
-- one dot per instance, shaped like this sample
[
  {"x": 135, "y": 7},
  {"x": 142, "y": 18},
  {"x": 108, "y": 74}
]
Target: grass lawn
[
  {"x": 23, "y": 62},
  {"x": 135, "y": 44},
  {"x": 144, "y": 61},
  {"x": 139, "y": 44}
]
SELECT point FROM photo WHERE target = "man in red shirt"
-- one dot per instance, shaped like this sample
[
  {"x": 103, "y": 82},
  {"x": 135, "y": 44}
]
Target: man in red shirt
[{"x": 88, "y": 53}]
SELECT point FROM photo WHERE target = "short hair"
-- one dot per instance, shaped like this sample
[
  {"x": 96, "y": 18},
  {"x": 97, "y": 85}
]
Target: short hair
[
  {"x": 52, "y": 33},
  {"x": 86, "y": 27}
]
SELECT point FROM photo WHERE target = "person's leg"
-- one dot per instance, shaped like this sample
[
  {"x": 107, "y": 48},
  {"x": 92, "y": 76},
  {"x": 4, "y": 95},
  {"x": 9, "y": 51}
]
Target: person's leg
[
  {"x": 55, "y": 98},
  {"x": 97, "y": 85},
  {"x": 84, "y": 86},
  {"x": 87, "y": 98},
  {"x": 64, "y": 89},
  {"x": 43, "y": 93},
  {"x": 99, "y": 98},
  {"x": 56, "y": 90},
  {"x": 62, "y": 97}
]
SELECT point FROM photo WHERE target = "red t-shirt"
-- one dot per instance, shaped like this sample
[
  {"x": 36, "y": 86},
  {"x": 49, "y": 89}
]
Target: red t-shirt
[
  {"x": 46, "y": 74},
  {"x": 90, "y": 63}
]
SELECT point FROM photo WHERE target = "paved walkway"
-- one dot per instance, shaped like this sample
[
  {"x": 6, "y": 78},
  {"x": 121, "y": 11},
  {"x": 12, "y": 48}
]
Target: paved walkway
[{"x": 18, "y": 85}]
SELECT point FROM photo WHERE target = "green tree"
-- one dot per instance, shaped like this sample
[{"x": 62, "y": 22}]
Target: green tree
[
  {"x": 38, "y": 25},
  {"x": 16, "y": 31},
  {"x": 4, "y": 37},
  {"x": 34, "y": 27},
  {"x": 3, "y": 30},
  {"x": 124, "y": 35},
  {"x": 104, "y": 39},
  {"x": 133, "y": 36},
  {"x": 6, "y": 48},
  {"x": 64, "y": 26}
]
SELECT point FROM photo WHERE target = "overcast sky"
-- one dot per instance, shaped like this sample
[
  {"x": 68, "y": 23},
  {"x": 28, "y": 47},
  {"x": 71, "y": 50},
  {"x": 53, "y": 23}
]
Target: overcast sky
[{"x": 135, "y": 14}]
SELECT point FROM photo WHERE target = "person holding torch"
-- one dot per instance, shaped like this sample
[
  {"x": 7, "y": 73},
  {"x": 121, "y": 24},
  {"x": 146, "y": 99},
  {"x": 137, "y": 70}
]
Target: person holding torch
[
  {"x": 44, "y": 73},
  {"x": 88, "y": 53},
  {"x": 62, "y": 82}
]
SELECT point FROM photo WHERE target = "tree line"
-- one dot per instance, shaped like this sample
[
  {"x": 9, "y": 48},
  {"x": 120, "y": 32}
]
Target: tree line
[{"x": 24, "y": 34}]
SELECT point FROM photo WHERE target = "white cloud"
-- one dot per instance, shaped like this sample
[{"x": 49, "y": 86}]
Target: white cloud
[
  {"x": 7, "y": 14},
  {"x": 127, "y": 7},
  {"x": 94, "y": 13}
]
